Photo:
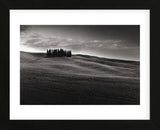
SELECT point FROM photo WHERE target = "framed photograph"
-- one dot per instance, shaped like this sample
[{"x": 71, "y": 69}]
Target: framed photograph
[
  {"x": 70, "y": 68},
  {"x": 76, "y": 67}
]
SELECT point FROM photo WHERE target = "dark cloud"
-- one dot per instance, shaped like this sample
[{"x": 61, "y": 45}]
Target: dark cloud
[{"x": 24, "y": 27}]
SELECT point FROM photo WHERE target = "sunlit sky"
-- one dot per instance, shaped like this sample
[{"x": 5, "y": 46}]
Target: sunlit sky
[{"x": 110, "y": 41}]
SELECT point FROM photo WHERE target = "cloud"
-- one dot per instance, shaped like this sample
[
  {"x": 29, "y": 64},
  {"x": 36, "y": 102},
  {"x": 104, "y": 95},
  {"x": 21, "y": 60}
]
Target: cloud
[
  {"x": 43, "y": 42},
  {"x": 105, "y": 44},
  {"x": 106, "y": 48},
  {"x": 24, "y": 27}
]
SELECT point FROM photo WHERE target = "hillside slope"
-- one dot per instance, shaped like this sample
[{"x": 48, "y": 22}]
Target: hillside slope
[{"x": 79, "y": 79}]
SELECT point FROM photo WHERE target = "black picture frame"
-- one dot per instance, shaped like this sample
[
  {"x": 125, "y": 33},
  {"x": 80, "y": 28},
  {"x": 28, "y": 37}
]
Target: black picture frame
[{"x": 152, "y": 124}]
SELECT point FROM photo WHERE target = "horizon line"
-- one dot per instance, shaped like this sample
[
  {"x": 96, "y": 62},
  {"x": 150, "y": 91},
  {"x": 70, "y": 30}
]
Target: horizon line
[{"x": 43, "y": 52}]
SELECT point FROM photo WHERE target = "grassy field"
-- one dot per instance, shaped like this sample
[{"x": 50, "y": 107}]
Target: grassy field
[{"x": 80, "y": 79}]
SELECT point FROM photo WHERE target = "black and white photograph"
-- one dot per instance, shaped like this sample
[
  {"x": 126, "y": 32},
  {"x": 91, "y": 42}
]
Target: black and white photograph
[{"x": 79, "y": 64}]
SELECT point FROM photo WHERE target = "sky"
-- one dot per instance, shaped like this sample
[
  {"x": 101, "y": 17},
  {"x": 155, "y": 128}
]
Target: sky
[{"x": 110, "y": 41}]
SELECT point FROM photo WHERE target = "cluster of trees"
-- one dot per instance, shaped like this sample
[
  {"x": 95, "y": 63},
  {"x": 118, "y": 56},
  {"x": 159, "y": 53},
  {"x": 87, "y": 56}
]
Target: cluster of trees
[{"x": 58, "y": 53}]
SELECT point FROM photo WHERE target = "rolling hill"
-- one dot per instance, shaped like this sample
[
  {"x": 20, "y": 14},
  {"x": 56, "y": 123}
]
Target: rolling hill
[{"x": 80, "y": 79}]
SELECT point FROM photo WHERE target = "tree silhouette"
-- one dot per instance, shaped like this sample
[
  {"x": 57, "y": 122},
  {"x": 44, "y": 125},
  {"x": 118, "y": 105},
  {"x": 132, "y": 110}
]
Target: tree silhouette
[{"x": 58, "y": 53}]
